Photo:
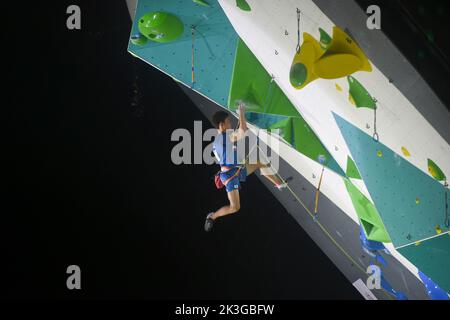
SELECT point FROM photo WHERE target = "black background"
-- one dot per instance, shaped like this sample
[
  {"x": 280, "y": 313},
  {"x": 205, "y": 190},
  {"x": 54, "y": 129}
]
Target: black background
[{"x": 90, "y": 182}]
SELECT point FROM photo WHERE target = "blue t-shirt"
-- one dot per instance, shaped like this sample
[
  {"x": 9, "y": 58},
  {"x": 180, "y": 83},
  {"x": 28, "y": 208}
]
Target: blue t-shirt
[{"x": 225, "y": 150}]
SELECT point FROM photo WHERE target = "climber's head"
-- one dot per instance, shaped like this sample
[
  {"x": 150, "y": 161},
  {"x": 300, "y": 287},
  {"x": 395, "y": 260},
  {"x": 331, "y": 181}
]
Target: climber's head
[{"x": 222, "y": 121}]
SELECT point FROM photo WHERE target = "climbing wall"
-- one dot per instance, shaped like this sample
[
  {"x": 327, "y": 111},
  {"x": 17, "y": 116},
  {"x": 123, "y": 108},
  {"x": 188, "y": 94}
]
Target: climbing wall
[
  {"x": 432, "y": 257},
  {"x": 410, "y": 202},
  {"x": 385, "y": 166},
  {"x": 214, "y": 46},
  {"x": 369, "y": 102}
]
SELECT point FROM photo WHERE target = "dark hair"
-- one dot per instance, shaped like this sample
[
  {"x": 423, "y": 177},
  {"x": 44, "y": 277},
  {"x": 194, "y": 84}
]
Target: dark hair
[{"x": 219, "y": 117}]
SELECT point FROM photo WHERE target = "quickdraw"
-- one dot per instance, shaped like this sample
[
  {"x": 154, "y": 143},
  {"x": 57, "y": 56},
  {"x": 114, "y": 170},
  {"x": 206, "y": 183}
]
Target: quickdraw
[{"x": 298, "y": 30}]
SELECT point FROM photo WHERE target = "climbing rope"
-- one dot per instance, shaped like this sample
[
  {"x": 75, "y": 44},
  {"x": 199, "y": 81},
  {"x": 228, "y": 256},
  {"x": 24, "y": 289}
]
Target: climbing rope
[
  {"x": 327, "y": 233},
  {"x": 446, "y": 221},
  {"x": 318, "y": 223},
  {"x": 375, "y": 136},
  {"x": 316, "y": 204},
  {"x": 298, "y": 30},
  {"x": 193, "y": 54}
]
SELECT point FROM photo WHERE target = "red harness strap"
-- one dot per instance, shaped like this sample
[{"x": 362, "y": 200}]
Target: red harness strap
[
  {"x": 233, "y": 176},
  {"x": 218, "y": 182}
]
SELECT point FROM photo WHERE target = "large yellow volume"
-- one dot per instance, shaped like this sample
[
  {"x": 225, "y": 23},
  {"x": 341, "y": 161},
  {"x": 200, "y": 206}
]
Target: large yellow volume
[{"x": 342, "y": 58}]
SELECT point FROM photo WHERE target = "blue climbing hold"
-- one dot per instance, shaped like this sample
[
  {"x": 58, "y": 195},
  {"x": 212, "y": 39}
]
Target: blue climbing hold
[
  {"x": 433, "y": 290},
  {"x": 370, "y": 244}
]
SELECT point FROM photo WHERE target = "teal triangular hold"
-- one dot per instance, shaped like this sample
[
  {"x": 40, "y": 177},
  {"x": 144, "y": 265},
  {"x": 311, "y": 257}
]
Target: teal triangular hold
[
  {"x": 264, "y": 120},
  {"x": 410, "y": 202}
]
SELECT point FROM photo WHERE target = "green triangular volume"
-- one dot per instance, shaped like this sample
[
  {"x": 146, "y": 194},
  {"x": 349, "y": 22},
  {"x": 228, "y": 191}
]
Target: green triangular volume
[
  {"x": 368, "y": 214},
  {"x": 352, "y": 171},
  {"x": 285, "y": 127}
]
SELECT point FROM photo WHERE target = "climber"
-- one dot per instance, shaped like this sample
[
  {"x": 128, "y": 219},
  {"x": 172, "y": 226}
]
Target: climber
[{"x": 232, "y": 170}]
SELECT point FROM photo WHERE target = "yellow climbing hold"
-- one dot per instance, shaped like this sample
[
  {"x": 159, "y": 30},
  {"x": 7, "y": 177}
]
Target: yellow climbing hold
[
  {"x": 438, "y": 229},
  {"x": 379, "y": 153},
  {"x": 343, "y": 57},
  {"x": 352, "y": 101},
  {"x": 417, "y": 201},
  {"x": 338, "y": 88},
  {"x": 406, "y": 152},
  {"x": 418, "y": 243}
]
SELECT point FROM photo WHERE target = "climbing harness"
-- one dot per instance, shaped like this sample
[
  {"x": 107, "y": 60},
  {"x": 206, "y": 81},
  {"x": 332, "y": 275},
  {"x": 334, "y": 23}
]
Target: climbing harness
[
  {"x": 193, "y": 54},
  {"x": 298, "y": 30},
  {"x": 218, "y": 182},
  {"x": 375, "y": 136}
]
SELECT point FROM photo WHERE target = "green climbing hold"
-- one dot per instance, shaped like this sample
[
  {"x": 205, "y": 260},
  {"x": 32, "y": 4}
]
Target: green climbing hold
[
  {"x": 435, "y": 171},
  {"x": 298, "y": 74},
  {"x": 325, "y": 39},
  {"x": 352, "y": 171},
  {"x": 360, "y": 95},
  {"x": 138, "y": 39},
  {"x": 243, "y": 5},
  {"x": 160, "y": 26},
  {"x": 368, "y": 214},
  {"x": 201, "y": 2}
]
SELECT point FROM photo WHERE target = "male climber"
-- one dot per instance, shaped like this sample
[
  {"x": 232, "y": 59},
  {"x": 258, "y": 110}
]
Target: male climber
[{"x": 233, "y": 170}]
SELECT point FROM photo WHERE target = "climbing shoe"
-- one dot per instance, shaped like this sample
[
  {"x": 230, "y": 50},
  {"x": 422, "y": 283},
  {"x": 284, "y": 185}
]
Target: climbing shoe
[
  {"x": 209, "y": 223},
  {"x": 281, "y": 186}
]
